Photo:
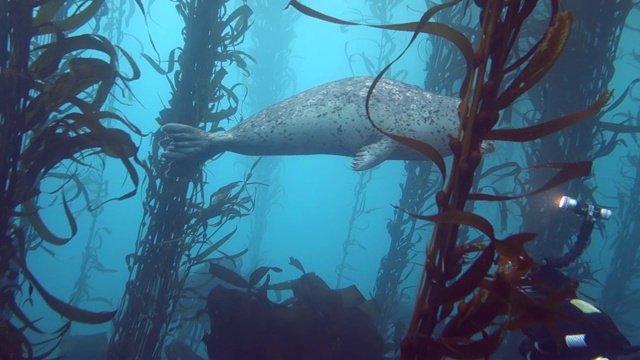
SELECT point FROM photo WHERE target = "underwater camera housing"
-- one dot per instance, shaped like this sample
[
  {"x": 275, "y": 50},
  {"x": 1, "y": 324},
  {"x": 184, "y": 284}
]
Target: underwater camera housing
[
  {"x": 591, "y": 214},
  {"x": 581, "y": 208}
]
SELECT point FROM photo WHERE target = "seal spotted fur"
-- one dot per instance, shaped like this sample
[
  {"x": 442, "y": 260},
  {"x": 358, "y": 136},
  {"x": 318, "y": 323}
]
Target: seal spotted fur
[{"x": 331, "y": 119}]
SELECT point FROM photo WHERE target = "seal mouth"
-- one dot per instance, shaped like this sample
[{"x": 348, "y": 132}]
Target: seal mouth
[{"x": 487, "y": 147}]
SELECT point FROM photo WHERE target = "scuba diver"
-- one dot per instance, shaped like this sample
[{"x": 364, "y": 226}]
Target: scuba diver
[{"x": 581, "y": 331}]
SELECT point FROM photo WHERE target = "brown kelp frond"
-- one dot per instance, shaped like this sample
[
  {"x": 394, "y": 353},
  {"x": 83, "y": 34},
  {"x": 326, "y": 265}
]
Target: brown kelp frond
[
  {"x": 54, "y": 86},
  {"x": 340, "y": 320},
  {"x": 489, "y": 297},
  {"x": 202, "y": 77},
  {"x": 204, "y": 254},
  {"x": 71, "y": 181},
  {"x": 210, "y": 90},
  {"x": 31, "y": 213},
  {"x": 44, "y": 22},
  {"x": 568, "y": 171},
  {"x": 58, "y": 88},
  {"x": 56, "y": 140},
  {"x": 385, "y": 46},
  {"x": 237, "y": 24},
  {"x": 425, "y": 25},
  {"x": 69, "y": 137},
  {"x": 496, "y": 292},
  {"x": 538, "y": 61},
  {"x": 622, "y": 127},
  {"x": 296, "y": 264},
  {"x": 548, "y": 127},
  {"x": 231, "y": 277},
  {"x": 625, "y": 94},
  {"x": 229, "y": 202},
  {"x": 13, "y": 343},
  {"x": 171, "y": 63},
  {"x": 70, "y": 312},
  {"x": 258, "y": 274}
]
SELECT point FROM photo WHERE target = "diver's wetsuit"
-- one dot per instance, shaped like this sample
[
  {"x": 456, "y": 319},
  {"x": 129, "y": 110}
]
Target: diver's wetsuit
[{"x": 581, "y": 332}]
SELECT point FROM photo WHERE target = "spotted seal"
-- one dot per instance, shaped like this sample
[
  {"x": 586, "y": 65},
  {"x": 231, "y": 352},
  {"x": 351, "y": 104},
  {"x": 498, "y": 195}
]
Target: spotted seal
[{"x": 331, "y": 119}]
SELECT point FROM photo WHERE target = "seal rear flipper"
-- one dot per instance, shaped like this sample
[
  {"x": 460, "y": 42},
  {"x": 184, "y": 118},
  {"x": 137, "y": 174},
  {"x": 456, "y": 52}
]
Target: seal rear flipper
[
  {"x": 186, "y": 142},
  {"x": 373, "y": 154}
]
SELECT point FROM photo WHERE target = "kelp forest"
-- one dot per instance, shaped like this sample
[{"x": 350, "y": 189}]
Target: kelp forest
[
  {"x": 271, "y": 36},
  {"x": 522, "y": 242}
]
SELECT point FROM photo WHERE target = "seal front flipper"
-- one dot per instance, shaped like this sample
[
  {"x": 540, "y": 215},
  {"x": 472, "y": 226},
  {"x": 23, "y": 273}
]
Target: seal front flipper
[{"x": 373, "y": 154}]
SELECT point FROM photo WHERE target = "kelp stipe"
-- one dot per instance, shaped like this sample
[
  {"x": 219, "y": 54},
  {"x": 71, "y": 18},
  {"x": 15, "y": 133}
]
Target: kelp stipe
[
  {"x": 574, "y": 84},
  {"x": 50, "y": 113},
  {"x": 487, "y": 299},
  {"x": 375, "y": 57},
  {"x": 401, "y": 228},
  {"x": 358, "y": 209},
  {"x": 444, "y": 71},
  {"x": 620, "y": 294},
  {"x": 93, "y": 185},
  {"x": 580, "y": 75},
  {"x": 174, "y": 235},
  {"x": 392, "y": 290}
]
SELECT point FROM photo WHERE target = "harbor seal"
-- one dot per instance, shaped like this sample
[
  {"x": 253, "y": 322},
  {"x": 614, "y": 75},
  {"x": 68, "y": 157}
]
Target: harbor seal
[{"x": 331, "y": 119}]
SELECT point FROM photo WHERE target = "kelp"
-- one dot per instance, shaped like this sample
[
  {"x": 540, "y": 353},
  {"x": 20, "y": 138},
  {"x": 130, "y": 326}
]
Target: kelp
[
  {"x": 272, "y": 79},
  {"x": 477, "y": 289},
  {"x": 94, "y": 183},
  {"x": 489, "y": 299},
  {"x": 391, "y": 290},
  {"x": 189, "y": 326},
  {"x": 174, "y": 234},
  {"x": 380, "y": 54},
  {"x": 578, "y": 79},
  {"x": 92, "y": 186},
  {"x": 50, "y": 118},
  {"x": 373, "y": 59},
  {"x": 265, "y": 199},
  {"x": 444, "y": 72},
  {"x": 92, "y": 346},
  {"x": 315, "y": 323},
  {"x": 358, "y": 210},
  {"x": 229, "y": 202},
  {"x": 401, "y": 228},
  {"x": 620, "y": 291}
]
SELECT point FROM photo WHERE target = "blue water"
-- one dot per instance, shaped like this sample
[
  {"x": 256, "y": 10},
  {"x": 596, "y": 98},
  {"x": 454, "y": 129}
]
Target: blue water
[{"x": 309, "y": 220}]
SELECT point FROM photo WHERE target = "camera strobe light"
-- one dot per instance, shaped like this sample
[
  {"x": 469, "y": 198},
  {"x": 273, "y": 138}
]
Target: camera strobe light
[
  {"x": 580, "y": 208},
  {"x": 567, "y": 203}
]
